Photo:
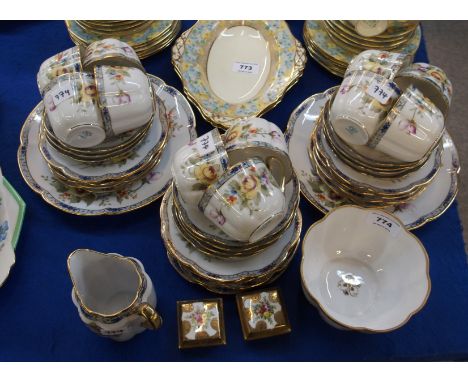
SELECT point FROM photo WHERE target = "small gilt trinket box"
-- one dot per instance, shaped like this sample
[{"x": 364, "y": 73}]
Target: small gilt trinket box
[
  {"x": 262, "y": 314},
  {"x": 201, "y": 323}
]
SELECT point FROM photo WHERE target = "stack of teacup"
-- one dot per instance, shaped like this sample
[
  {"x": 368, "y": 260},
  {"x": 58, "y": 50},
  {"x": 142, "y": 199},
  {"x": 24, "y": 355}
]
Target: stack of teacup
[
  {"x": 378, "y": 141},
  {"x": 99, "y": 112},
  {"x": 239, "y": 186}
]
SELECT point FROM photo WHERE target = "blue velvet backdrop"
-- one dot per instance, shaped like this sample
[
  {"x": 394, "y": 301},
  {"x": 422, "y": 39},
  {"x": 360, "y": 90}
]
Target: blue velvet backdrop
[{"x": 39, "y": 322}]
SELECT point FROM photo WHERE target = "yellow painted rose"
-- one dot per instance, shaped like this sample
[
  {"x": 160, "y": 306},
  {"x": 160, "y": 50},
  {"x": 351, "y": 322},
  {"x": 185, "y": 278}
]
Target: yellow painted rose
[
  {"x": 59, "y": 70},
  {"x": 250, "y": 186},
  {"x": 206, "y": 173},
  {"x": 88, "y": 93}
]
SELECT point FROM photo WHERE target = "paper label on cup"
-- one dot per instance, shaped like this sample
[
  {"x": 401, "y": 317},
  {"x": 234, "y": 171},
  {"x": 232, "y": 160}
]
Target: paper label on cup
[
  {"x": 380, "y": 92},
  {"x": 61, "y": 93},
  {"x": 206, "y": 144},
  {"x": 385, "y": 222},
  {"x": 245, "y": 67}
]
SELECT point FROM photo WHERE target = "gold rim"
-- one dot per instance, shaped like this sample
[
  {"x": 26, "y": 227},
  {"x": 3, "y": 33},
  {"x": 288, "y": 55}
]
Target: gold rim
[
  {"x": 71, "y": 210},
  {"x": 219, "y": 280},
  {"x": 224, "y": 122},
  {"x": 107, "y": 179},
  {"x": 366, "y": 187},
  {"x": 446, "y": 203},
  {"x": 363, "y": 328},
  {"x": 211, "y": 249},
  {"x": 138, "y": 294}
]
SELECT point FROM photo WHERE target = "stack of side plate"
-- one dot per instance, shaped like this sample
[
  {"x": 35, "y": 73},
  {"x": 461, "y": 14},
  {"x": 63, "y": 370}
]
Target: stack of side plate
[
  {"x": 334, "y": 43},
  {"x": 213, "y": 242},
  {"x": 112, "y": 165},
  {"x": 179, "y": 118},
  {"x": 203, "y": 255},
  {"x": 436, "y": 197},
  {"x": 145, "y": 36},
  {"x": 363, "y": 158}
]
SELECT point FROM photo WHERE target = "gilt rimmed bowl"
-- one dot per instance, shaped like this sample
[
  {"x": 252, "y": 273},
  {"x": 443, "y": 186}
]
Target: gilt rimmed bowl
[{"x": 363, "y": 270}]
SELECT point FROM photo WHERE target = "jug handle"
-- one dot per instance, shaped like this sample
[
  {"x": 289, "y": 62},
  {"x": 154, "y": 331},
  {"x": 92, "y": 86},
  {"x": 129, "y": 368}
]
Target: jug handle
[{"x": 153, "y": 319}]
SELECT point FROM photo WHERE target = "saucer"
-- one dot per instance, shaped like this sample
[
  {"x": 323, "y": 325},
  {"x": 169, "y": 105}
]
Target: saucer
[
  {"x": 38, "y": 176},
  {"x": 427, "y": 206},
  {"x": 220, "y": 275},
  {"x": 79, "y": 171},
  {"x": 196, "y": 222},
  {"x": 361, "y": 182}
]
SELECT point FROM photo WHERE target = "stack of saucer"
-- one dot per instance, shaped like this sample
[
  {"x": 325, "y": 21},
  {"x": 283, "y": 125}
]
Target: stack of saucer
[
  {"x": 110, "y": 166},
  {"x": 334, "y": 43},
  {"x": 144, "y": 36},
  {"x": 364, "y": 182},
  {"x": 231, "y": 219},
  {"x": 378, "y": 140}
]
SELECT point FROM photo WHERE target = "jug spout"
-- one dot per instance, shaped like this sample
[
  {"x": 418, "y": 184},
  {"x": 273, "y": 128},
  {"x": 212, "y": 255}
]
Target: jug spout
[
  {"x": 104, "y": 283},
  {"x": 114, "y": 296}
]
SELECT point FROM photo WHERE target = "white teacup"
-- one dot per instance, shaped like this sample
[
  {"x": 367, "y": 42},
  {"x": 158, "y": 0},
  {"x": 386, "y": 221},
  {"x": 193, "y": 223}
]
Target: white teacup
[
  {"x": 72, "y": 111},
  {"x": 412, "y": 128},
  {"x": 199, "y": 164},
  {"x": 110, "y": 51},
  {"x": 429, "y": 79},
  {"x": 256, "y": 137},
  {"x": 114, "y": 296},
  {"x": 360, "y": 105},
  {"x": 246, "y": 202},
  {"x": 387, "y": 64},
  {"x": 125, "y": 97},
  {"x": 68, "y": 61}
]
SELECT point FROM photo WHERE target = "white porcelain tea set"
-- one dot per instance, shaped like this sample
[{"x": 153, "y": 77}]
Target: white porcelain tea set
[{"x": 229, "y": 217}]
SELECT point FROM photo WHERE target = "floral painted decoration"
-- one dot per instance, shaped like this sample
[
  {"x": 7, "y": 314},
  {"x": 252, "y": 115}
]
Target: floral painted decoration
[
  {"x": 384, "y": 63},
  {"x": 246, "y": 132},
  {"x": 262, "y": 314},
  {"x": 349, "y": 283},
  {"x": 68, "y": 61},
  {"x": 247, "y": 189},
  {"x": 189, "y": 58},
  {"x": 201, "y": 323},
  {"x": 435, "y": 75},
  {"x": 318, "y": 34}
]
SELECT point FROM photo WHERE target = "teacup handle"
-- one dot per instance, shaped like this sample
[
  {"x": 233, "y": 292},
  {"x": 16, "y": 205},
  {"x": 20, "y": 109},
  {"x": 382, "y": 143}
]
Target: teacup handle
[
  {"x": 153, "y": 319},
  {"x": 277, "y": 170}
]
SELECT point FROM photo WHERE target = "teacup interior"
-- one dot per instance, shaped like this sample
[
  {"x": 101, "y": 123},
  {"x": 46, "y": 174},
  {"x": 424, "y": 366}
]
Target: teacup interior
[
  {"x": 363, "y": 275},
  {"x": 106, "y": 283}
]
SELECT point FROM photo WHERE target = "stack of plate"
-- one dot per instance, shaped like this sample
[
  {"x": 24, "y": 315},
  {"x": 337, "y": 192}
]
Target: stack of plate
[
  {"x": 205, "y": 255},
  {"x": 431, "y": 203},
  {"x": 174, "y": 111},
  {"x": 146, "y": 37},
  {"x": 334, "y": 43},
  {"x": 110, "y": 166},
  {"x": 364, "y": 175}
]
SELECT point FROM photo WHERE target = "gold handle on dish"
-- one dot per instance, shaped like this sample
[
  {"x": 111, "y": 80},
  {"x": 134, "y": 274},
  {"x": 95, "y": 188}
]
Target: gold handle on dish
[{"x": 153, "y": 319}]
